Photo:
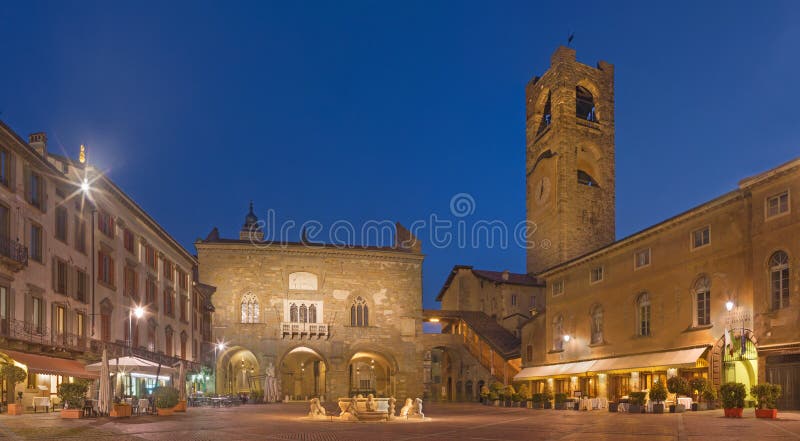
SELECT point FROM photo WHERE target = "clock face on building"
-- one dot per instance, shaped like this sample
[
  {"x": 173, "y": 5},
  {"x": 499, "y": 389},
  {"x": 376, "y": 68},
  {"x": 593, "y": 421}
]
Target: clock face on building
[{"x": 542, "y": 191}]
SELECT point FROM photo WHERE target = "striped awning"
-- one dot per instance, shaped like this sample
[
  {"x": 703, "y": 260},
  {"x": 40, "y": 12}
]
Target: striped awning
[{"x": 42, "y": 364}]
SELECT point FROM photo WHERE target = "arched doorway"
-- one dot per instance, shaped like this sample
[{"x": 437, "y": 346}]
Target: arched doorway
[
  {"x": 735, "y": 361},
  {"x": 237, "y": 369},
  {"x": 370, "y": 373},
  {"x": 303, "y": 374}
]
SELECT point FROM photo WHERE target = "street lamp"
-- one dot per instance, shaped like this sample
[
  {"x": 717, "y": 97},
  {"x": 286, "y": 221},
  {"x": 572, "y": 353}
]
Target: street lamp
[
  {"x": 138, "y": 311},
  {"x": 729, "y": 305},
  {"x": 220, "y": 346},
  {"x": 567, "y": 338}
]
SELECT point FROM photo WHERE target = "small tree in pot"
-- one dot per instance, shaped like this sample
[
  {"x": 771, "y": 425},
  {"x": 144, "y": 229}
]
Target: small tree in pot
[
  {"x": 678, "y": 386},
  {"x": 547, "y": 396},
  {"x": 537, "y": 401},
  {"x": 732, "y": 396},
  {"x": 698, "y": 385},
  {"x": 508, "y": 394},
  {"x": 13, "y": 375},
  {"x": 485, "y": 394},
  {"x": 561, "y": 401},
  {"x": 766, "y": 395},
  {"x": 496, "y": 390},
  {"x": 166, "y": 398},
  {"x": 72, "y": 395},
  {"x": 525, "y": 395},
  {"x": 658, "y": 393},
  {"x": 636, "y": 402},
  {"x": 710, "y": 396}
]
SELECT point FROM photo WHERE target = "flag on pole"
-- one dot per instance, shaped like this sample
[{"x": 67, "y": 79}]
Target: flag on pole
[{"x": 728, "y": 342}]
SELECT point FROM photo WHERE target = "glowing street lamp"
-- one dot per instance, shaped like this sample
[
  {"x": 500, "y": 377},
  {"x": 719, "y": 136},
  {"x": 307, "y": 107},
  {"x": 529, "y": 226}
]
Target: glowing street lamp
[
  {"x": 137, "y": 311},
  {"x": 729, "y": 305},
  {"x": 567, "y": 338}
]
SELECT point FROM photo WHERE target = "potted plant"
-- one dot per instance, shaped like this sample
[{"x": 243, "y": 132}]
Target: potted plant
[
  {"x": 13, "y": 375},
  {"x": 120, "y": 409},
  {"x": 710, "y": 397},
  {"x": 561, "y": 401},
  {"x": 678, "y": 386},
  {"x": 766, "y": 395},
  {"x": 165, "y": 398},
  {"x": 547, "y": 397},
  {"x": 72, "y": 395},
  {"x": 508, "y": 394},
  {"x": 537, "y": 401},
  {"x": 658, "y": 393},
  {"x": 525, "y": 395},
  {"x": 485, "y": 394},
  {"x": 494, "y": 398},
  {"x": 698, "y": 385},
  {"x": 496, "y": 390},
  {"x": 636, "y": 402},
  {"x": 732, "y": 396}
]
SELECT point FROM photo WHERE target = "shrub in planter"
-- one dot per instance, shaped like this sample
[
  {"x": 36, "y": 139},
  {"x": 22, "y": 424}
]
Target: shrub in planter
[
  {"x": 508, "y": 394},
  {"x": 678, "y": 386},
  {"x": 766, "y": 395},
  {"x": 524, "y": 394},
  {"x": 658, "y": 393},
  {"x": 537, "y": 401},
  {"x": 72, "y": 395},
  {"x": 13, "y": 375},
  {"x": 547, "y": 397},
  {"x": 636, "y": 402},
  {"x": 710, "y": 396},
  {"x": 561, "y": 401},
  {"x": 165, "y": 398},
  {"x": 732, "y": 396},
  {"x": 697, "y": 385},
  {"x": 494, "y": 398},
  {"x": 485, "y": 394}
]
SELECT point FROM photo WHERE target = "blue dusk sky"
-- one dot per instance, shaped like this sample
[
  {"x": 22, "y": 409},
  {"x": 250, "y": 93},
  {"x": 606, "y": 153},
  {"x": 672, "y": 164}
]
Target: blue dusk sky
[{"x": 372, "y": 110}]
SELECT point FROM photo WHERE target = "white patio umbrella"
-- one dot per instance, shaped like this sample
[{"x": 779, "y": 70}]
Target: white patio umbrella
[{"x": 104, "y": 399}]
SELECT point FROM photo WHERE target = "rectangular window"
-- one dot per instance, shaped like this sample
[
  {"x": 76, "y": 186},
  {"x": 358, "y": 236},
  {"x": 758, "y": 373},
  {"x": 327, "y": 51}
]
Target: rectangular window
[
  {"x": 703, "y": 308},
  {"x": 61, "y": 270},
  {"x": 34, "y": 190},
  {"x": 780, "y": 287},
  {"x": 168, "y": 302},
  {"x": 105, "y": 265},
  {"x": 80, "y": 325},
  {"x": 778, "y": 204},
  {"x": 558, "y": 288},
  {"x": 105, "y": 327},
  {"x": 701, "y": 237},
  {"x": 36, "y": 243},
  {"x": 513, "y": 299},
  {"x": 529, "y": 352},
  {"x": 105, "y": 223},
  {"x": 81, "y": 285},
  {"x": 150, "y": 256},
  {"x": 184, "y": 303},
  {"x": 532, "y": 301},
  {"x": 168, "y": 270},
  {"x": 131, "y": 288},
  {"x": 641, "y": 258},
  {"x": 80, "y": 234},
  {"x": 5, "y": 223},
  {"x": 128, "y": 238},
  {"x": 644, "y": 320},
  {"x": 596, "y": 274},
  {"x": 37, "y": 315},
  {"x": 60, "y": 320},
  {"x": 61, "y": 223},
  {"x": 5, "y": 310},
  {"x": 150, "y": 292},
  {"x": 5, "y": 167},
  {"x": 183, "y": 281}
]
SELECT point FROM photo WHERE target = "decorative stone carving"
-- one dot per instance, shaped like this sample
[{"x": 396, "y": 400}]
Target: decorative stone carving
[
  {"x": 316, "y": 410},
  {"x": 392, "y": 402}
]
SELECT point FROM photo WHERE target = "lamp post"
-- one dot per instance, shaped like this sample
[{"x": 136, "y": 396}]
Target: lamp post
[{"x": 138, "y": 311}]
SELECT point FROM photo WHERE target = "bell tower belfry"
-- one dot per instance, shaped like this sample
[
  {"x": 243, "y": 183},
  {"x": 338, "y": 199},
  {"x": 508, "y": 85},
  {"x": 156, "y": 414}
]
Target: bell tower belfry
[{"x": 569, "y": 160}]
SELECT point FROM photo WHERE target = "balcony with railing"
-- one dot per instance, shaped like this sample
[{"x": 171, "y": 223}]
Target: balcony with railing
[
  {"x": 28, "y": 332},
  {"x": 300, "y": 330},
  {"x": 13, "y": 254}
]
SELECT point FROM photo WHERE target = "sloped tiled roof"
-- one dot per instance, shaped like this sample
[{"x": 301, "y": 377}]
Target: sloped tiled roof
[{"x": 499, "y": 277}]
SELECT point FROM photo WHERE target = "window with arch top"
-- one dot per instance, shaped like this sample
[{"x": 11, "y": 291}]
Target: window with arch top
[
  {"x": 597, "y": 324},
  {"x": 584, "y": 104},
  {"x": 643, "y": 314},
  {"x": 359, "y": 312},
  {"x": 547, "y": 116},
  {"x": 558, "y": 333},
  {"x": 702, "y": 301},
  {"x": 585, "y": 178},
  {"x": 779, "y": 279},
  {"x": 250, "y": 308}
]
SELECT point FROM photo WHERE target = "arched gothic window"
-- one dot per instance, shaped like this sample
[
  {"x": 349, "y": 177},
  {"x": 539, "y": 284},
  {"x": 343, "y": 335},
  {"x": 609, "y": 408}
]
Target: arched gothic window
[
  {"x": 359, "y": 312},
  {"x": 547, "y": 116},
  {"x": 558, "y": 333},
  {"x": 586, "y": 179},
  {"x": 293, "y": 317},
  {"x": 779, "y": 279},
  {"x": 312, "y": 314},
  {"x": 597, "y": 324},
  {"x": 702, "y": 301},
  {"x": 250, "y": 308},
  {"x": 303, "y": 314},
  {"x": 584, "y": 104},
  {"x": 643, "y": 314}
]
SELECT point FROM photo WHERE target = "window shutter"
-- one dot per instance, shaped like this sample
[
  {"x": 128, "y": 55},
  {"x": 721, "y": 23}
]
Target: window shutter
[
  {"x": 44, "y": 194},
  {"x": 11, "y": 303},
  {"x": 12, "y": 172},
  {"x": 26, "y": 181},
  {"x": 54, "y": 272}
]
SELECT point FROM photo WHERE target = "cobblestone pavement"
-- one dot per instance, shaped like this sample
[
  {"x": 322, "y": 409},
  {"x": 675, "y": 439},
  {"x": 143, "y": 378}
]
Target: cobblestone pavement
[{"x": 447, "y": 422}]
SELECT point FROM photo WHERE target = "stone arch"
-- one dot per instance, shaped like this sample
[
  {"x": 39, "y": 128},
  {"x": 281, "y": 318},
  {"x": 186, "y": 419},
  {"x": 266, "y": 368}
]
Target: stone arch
[
  {"x": 303, "y": 373},
  {"x": 588, "y": 157},
  {"x": 237, "y": 367},
  {"x": 371, "y": 370},
  {"x": 717, "y": 364},
  {"x": 595, "y": 91}
]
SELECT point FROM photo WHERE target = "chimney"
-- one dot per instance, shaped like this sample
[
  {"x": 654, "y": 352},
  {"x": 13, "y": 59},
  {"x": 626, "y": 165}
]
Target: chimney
[
  {"x": 505, "y": 275},
  {"x": 39, "y": 142}
]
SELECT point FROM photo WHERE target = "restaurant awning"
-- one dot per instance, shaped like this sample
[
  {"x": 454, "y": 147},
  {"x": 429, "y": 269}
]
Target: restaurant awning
[
  {"x": 42, "y": 364},
  {"x": 554, "y": 370},
  {"x": 656, "y": 359},
  {"x": 681, "y": 357}
]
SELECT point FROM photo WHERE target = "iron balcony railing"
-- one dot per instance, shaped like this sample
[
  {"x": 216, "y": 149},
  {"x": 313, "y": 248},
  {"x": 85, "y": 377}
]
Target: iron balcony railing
[
  {"x": 14, "y": 251},
  {"x": 30, "y": 332}
]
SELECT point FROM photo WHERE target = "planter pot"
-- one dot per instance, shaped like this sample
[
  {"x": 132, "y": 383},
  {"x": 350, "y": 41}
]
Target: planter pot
[
  {"x": 538, "y": 405},
  {"x": 612, "y": 407},
  {"x": 496, "y": 403},
  {"x": 635, "y": 408},
  {"x": 71, "y": 413},
  {"x": 120, "y": 411},
  {"x": 16, "y": 409},
  {"x": 165, "y": 411},
  {"x": 735, "y": 412},
  {"x": 767, "y": 413},
  {"x": 530, "y": 404},
  {"x": 658, "y": 408},
  {"x": 548, "y": 405},
  {"x": 181, "y": 406}
]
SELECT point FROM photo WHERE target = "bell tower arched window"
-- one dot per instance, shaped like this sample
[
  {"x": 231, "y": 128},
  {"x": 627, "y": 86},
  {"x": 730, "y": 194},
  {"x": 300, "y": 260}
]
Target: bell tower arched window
[
  {"x": 547, "y": 116},
  {"x": 584, "y": 104},
  {"x": 586, "y": 179},
  {"x": 359, "y": 312},
  {"x": 250, "y": 308}
]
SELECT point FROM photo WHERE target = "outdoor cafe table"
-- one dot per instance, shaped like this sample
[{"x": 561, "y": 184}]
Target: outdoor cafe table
[
  {"x": 686, "y": 401},
  {"x": 144, "y": 405}
]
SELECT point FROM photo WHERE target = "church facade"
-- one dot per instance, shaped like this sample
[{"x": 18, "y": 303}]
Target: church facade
[{"x": 326, "y": 321}]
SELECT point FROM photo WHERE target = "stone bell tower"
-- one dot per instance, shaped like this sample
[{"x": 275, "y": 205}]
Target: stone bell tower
[{"x": 569, "y": 160}]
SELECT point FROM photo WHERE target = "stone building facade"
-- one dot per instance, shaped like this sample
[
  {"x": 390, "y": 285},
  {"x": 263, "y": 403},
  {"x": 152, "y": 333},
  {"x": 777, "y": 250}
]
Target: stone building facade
[{"x": 325, "y": 320}]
